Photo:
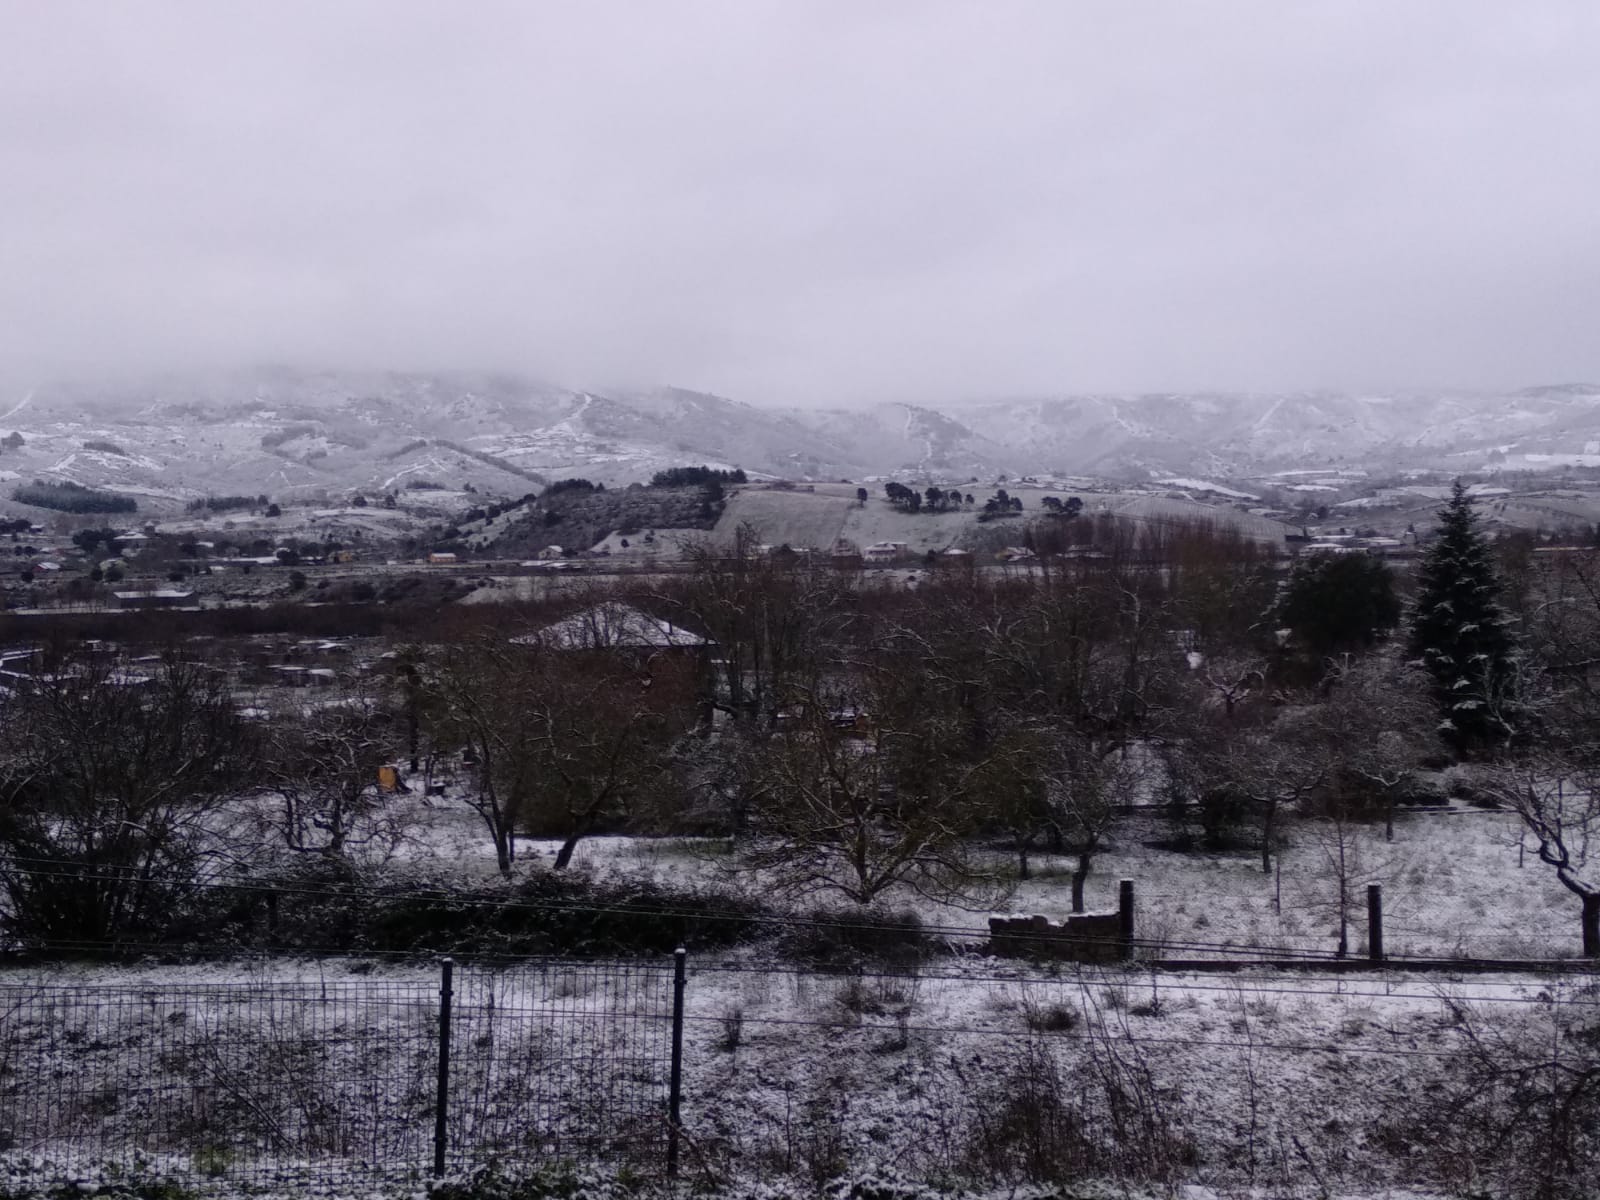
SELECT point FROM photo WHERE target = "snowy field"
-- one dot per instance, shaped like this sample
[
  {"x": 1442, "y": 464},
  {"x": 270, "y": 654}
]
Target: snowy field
[
  {"x": 1456, "y": 884},
  {"x": 293, "y": 1076},
  {"x": 815, "y": 518},
  {"x": 1250, "y": 1084}
]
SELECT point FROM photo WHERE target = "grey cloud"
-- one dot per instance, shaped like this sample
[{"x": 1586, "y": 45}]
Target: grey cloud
[{"x": 808, "y": 201}]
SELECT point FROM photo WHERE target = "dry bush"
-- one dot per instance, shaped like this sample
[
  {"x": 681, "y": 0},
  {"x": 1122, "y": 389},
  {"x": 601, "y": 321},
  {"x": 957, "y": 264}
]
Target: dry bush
[
  {"x": 732, "y": 1023},
  {"x": 1515, "y": 1111},
  {"x": 1065, "y": 1110}
]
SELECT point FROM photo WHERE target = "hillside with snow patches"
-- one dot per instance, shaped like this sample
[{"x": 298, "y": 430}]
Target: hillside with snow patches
[{"x": 309, "y": 435}]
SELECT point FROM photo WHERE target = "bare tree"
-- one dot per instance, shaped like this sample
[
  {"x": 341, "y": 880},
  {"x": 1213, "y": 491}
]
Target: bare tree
[
  {"x": 471, "y": 704},
  {"x": 1065, "y": 783},
  {"x": 111, "y": 781},
  {"x": 1515, "y": 1106},
  {"x": 322, "y": 760},
  {"x": 599, "y": 729},
  {"x": 768, "y": 617},
  {"x": 1097, "y": 781},
  {"x": 1266, "y": 768},
  {"x": 858, "y": 791},
  {"x": 1388, "y": 728},
  {"x": 1560, "y": 806},
  {"x": 558, "y": 741}
]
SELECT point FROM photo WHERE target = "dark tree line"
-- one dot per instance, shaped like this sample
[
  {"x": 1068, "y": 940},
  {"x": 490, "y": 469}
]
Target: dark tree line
[
  {"x": 72, "y": 498},
  {"x": 696, "y": 477}
]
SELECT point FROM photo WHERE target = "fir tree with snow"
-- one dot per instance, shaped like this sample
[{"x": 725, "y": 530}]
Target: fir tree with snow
[{"x": 1461, "y": 635}]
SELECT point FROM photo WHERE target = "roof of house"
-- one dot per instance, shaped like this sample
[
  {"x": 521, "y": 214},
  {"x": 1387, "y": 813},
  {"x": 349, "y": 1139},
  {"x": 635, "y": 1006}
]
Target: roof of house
[
  {"x": 611, "y": 625},
  {"x": 156, "y": 594}
]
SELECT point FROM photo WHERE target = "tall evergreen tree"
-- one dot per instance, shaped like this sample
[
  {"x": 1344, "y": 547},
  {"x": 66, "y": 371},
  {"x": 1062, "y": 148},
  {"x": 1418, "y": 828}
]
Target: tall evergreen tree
[{"x": 1461, "y": 635}]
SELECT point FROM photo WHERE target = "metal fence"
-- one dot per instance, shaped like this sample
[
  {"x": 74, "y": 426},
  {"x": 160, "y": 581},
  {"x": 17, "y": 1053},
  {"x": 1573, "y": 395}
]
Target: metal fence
[
  {"x": 360, "y": 1078},
  {"x": 951, "y": 1069}
]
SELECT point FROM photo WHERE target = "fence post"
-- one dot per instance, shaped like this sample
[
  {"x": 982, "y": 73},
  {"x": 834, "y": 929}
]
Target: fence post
[
  {"x": 1375, "y": 922},
  {"x": 441, "y": 1101},
  {"x": 1125, "y": 917},
  {"x": 675, "y": 1087}
]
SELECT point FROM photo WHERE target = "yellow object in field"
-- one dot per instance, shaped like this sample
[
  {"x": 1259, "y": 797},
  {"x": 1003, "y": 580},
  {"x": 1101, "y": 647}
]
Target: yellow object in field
[{"x": 388, "y": 778}]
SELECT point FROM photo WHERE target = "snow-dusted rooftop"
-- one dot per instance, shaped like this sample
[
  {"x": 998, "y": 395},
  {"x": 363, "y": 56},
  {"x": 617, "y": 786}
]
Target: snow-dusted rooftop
[{"x": 608, "y": 625}]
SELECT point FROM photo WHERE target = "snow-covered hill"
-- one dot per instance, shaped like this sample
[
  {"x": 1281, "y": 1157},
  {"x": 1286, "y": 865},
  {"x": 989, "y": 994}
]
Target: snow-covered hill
[{"x": 302, "y": 435}]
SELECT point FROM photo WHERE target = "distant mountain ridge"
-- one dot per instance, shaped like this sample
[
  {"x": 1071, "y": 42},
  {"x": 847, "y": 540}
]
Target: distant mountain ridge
[{"x": 294, "y": 433}]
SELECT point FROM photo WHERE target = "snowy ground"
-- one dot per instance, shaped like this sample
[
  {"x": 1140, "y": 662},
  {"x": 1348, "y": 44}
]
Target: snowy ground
[
  {"x": 252, "y": 1072},
  {"x": 1455, "y": 885},
  {"x": 1260, "y": 1082}
]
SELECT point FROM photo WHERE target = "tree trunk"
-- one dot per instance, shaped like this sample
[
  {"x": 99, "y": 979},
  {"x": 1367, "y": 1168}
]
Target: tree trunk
[
  {"x": 1079, "y": 878},
  {"x": 1023, "y": 844},
  {"x": 1266, "y": 837},
  {"x": 1591, "y": 925},
  {"x": 564, "y": 855}
]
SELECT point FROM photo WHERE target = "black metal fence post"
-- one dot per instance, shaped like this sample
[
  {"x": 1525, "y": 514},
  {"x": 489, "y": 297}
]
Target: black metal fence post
[
  {"x": 1375, "y": 922},
  {"x": 1125, "y": 916},
  {"x": 441, "y": 1102},
  {"x": 675, "y": 1087}
]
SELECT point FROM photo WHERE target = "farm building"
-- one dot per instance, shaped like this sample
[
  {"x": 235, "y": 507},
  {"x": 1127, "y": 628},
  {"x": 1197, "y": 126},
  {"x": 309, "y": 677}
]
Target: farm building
[
  {"x": 1016, "y": 554},
  {"x": 883, "y": 552}
]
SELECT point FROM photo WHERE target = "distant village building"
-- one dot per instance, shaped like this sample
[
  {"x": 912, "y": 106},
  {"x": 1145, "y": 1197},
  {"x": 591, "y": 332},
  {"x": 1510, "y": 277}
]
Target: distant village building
[
  {"x": 159, "y": 598},
  {"x": 441, "y": 558},
  {"x": 613, "y": 625},
  {"x": 883, "y": 552}
]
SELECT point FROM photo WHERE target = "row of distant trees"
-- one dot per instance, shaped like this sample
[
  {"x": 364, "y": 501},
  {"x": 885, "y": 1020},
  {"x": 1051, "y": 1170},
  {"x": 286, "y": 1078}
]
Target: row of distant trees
[{"x": 937, "y": 499}]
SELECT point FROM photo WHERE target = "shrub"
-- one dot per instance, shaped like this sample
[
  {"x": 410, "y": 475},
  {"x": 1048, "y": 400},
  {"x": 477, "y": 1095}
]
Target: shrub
[
  {"x": 846, "y": 938},
  {"x": 573, "y": 485},
  {"x": 331, "y": 906}
]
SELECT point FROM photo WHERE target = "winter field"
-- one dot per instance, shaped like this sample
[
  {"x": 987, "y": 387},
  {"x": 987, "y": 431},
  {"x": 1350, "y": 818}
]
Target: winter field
[
  {"x": 815, "y": 518},
  {"x": 958, "y": 1071},
  {"x": 1456, "y": 884},
  {"x": 971, "y": 1073}
]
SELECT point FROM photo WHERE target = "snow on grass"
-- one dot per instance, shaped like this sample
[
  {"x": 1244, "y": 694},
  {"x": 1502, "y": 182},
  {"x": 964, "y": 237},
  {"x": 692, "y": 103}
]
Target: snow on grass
[
  {"x": 1454, "y": 883},
  {"x": 1205, "y": 485},
  {"x": 926, "y": 1070}
]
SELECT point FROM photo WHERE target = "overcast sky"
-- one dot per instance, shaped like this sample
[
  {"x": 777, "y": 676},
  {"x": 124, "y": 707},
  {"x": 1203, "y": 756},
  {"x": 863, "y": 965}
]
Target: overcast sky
[{"x": 810, "y": 201}]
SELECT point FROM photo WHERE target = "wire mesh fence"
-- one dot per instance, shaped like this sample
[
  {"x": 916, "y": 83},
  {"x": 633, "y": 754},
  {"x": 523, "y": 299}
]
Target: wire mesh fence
[
  {"x": 218, "y": 1080},
  {"x": 980, "y": 1069},
  {"x": 560, "y": 1061},
  {"x": 284, "y": 1081}
]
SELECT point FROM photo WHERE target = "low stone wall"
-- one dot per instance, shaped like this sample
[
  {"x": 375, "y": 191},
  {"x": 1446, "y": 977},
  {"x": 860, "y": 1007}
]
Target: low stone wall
[{"x": 1082, "y": 937}]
